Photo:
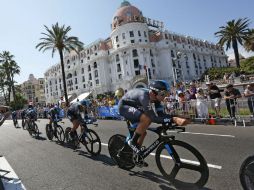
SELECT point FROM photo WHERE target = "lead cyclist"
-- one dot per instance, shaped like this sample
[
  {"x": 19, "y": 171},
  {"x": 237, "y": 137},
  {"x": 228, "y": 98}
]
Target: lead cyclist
[{"x": 143, "y": 106}]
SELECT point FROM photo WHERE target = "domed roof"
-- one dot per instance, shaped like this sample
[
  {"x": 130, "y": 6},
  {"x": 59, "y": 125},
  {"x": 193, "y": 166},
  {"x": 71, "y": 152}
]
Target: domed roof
[{"x": 125, "y": 13}]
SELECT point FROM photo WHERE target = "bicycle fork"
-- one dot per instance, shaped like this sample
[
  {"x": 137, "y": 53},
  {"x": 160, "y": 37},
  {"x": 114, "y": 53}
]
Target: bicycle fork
[{"x": 173, "y": 154}]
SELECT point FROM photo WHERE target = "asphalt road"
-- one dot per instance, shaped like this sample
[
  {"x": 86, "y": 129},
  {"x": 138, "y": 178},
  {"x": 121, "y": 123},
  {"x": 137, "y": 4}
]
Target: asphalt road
[{"x": 43, "y": 164}]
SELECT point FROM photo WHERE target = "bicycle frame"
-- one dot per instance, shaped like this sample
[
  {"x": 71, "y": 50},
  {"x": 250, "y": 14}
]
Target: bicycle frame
[{"x": 165, "y": 138}]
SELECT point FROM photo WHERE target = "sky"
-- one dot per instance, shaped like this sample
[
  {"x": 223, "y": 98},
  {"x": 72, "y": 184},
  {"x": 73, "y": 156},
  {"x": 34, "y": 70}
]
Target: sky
[{"x": 22, "y": 22}]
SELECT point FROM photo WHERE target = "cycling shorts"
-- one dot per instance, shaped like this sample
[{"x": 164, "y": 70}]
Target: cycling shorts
[
  {"x": 130, "y": 113},
  {"x": 72, "y": 116}
]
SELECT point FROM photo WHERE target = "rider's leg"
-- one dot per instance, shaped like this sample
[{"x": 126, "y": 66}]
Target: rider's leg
[
  {"x": 73, "y": 131},
  {"x": 139, "y": 133}
]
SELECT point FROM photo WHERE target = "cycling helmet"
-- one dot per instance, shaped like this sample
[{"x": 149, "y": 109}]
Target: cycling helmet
[
  {"x": 119, "y": 93},
  {"x": 83, "y": 102},
  {"x": 159, "y": 85}
]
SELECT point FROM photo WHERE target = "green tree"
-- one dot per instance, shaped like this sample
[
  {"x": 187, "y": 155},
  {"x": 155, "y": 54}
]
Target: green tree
[
  {"x": 236, "y": 31},
  {"x": 249, "y": 43},
  {"x": 56, "y": 39},
  {"x": 9, "y": 68}
]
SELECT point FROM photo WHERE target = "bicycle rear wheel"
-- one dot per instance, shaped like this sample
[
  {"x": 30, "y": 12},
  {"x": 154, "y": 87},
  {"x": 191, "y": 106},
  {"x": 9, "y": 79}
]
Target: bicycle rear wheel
[
  {"x": 49, "y": 132},
  {"x": 115, "y": 145},
  {"x": 185, "y": 168},
  {"x": 36, "y": 131},
  {"x": 60, "y": 134},
  {"x": 247, "y": 173},
  {"x": 91, "y": 141}
]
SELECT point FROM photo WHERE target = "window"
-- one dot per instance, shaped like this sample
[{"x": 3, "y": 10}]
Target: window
[
  {"x": 140, "y": 40},
  {"x": 89, "y": 68},
  {"x": 118, "y": 68},
  {"x": 139, "y": 34},
  {"x": 137, "y": 72},
  {"x": 117, "y": 58},
  {"x": 120, "y": 76},
  {"x": 132, "y": 41},
  {"x": 82, "y": 70},
  {"x": 81, "y": 60},
  {"x": 116, "y": 38},
  {"x": 95, "y": 65},
  {"x": 75, "y": 73},
  {"x": 84, "y": 85},
  {"x": 76, "y": 81},
  {"x": 136, "y": 63},
  {"x": 145, "y": 34},
  {"x": 131, "y": 34},
  {"x": 151, "y": 53},
  {"x": 134, "y": 53},
  {"x": 83, "y": 78},
  {"x": 90, "y": 76},
  {"x": 97, "y": 81},
  {"x": 76, "y": 87},
  {"x": 123, "y": 36},
  {"x": 96, "y": 73}
]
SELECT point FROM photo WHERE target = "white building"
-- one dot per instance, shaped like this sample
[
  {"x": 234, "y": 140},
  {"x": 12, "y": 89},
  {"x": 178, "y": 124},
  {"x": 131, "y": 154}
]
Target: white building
[{"x": 118, "y": 61}]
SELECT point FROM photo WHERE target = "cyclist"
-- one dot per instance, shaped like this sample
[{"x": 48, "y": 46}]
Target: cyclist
[
  {"x": 31, "y": 112},
  {"x": 74, "y": 114},
  {"x": 54, "y": 115},
  {"x": 14, "y": 117},
  {"x": 143, "y": 106}
]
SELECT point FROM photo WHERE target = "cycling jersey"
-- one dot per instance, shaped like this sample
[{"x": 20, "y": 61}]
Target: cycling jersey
[
  {"x": 74, "y": 112},
  {"x": 136, "y": 102},
  {"x": 54, "y": 113},
  {"x": 31, "y": 113}
]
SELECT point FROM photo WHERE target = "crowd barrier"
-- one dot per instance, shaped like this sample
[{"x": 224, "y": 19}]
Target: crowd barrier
[
  {"x": 108, "y": 112},
  {"x": 203, "y": 110}
]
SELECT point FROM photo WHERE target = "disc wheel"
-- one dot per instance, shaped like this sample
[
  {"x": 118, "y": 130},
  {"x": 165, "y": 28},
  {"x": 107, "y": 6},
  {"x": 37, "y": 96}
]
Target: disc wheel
[
  {"x": 247, "y": 173},
  {"x": 125, "y": 159}
]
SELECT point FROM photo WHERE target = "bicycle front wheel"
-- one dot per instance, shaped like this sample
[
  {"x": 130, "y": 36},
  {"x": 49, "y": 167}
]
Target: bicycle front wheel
[
  {"x": 185, "y": 167},
  {"x": 247, "y": 173},
  {"x": 92, "y": 142},
  {"x": 60, "y": 134},
  {"x": 49, "y": 132}
]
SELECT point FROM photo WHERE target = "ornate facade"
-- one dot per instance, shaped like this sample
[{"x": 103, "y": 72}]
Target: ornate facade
[{"x": 137, "y": 47}]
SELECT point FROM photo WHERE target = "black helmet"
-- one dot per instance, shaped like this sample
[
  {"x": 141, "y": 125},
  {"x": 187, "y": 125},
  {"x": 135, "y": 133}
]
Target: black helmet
[{"x": 159, "y": 85}]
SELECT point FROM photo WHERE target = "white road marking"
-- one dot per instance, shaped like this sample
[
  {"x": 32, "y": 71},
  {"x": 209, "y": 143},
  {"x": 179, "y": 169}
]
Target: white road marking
[
  {"x": 184, "y": 160},
  {"x": 208, "y": 134},
  {"x": 7, "y": 171}
]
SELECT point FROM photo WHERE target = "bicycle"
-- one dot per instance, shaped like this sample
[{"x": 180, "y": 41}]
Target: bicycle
[
  {"x": 55, "y": 131},
  {"x": 88, "y": 138},
  {"x": 127, "y": 159},
  {"x": 32, "y": 128},
  {"x": 246, "y": 173}
]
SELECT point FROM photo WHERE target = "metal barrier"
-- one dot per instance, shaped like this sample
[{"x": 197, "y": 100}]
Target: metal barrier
[{"x": 239, "y": 111}]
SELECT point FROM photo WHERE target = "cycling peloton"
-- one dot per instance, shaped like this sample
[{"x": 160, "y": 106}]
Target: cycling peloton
[
  {"x": 143, "y": 106},
  {"x": 74, "y": 114}
]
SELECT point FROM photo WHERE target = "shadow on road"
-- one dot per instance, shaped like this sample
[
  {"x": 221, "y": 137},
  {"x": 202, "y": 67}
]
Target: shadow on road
[
  {"x": 163, "y": 183},
  {"x": 40, "y": 138},
  {"x": 106, "y": 160}
]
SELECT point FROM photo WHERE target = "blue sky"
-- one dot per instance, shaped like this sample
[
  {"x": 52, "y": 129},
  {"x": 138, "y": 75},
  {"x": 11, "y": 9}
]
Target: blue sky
[{"x": 22, "y": 22}]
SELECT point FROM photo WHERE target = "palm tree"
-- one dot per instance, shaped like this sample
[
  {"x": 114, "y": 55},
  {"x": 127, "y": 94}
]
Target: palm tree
[
  {"x": 56, "y": 39},
  {"x": 249, "y": 43},
  {"x": 236, "y": 31},
  {"x": 9, "y": 68}
]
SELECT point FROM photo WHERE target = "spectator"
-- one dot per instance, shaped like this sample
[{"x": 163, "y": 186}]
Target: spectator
[
  {"x": 192, "y": 97},
  {"x": 249, "y": 93},
  {"x": 225, "y": 78},
  {"x": 202, "y": 108},
  {"x": 215, "y": 97},
  {"x": 182, "y": 101},
  {"x": 231, "y": 94}
]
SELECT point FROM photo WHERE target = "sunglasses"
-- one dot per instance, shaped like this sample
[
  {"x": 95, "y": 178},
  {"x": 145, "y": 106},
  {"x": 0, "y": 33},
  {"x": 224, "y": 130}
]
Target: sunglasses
[{"x": 162, "y": 93}]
